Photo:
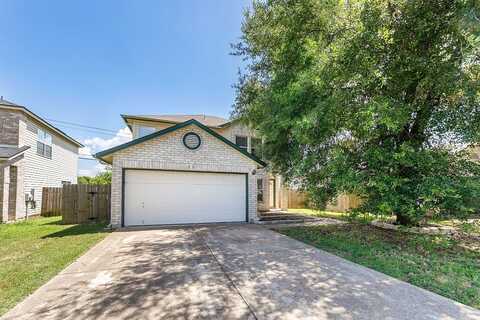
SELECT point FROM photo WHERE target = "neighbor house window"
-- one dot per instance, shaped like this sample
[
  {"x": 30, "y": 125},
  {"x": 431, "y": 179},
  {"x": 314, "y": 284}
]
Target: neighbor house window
[
  {"x": 145, "y": 131},
  {"x": 242, "y": 142},
  {"x": 44, "y": 144},
  {"x": 256, "y": 147},
  {"x": 260, "y": 190}
]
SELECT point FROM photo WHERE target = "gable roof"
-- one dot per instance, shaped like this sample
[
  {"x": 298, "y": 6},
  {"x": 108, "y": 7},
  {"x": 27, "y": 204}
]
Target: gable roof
[
  {"x": 159, "y": 133},
  {"x": 209, "y": 121},
  {"x": 10, "y": 105},
  {"x": 7, "y": 103}
]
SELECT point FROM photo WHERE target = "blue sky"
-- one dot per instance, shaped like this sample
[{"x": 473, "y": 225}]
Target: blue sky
[{"x": 89, "y": 61}]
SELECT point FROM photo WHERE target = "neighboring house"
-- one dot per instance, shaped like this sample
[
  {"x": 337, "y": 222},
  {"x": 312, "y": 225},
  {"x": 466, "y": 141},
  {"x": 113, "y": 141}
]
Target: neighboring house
[
  {"x": 189, "y": 169},
  {"x": 33, "y": 154}
]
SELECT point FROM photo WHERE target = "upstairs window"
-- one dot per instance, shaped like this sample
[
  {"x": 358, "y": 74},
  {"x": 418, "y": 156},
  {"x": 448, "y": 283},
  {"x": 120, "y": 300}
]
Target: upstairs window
[
  {"x": 145, "y": 131},
  {"x": 256, "y": 147},
  {"x": 242, "y": 142},
  {"x": 44, "y": 144}
]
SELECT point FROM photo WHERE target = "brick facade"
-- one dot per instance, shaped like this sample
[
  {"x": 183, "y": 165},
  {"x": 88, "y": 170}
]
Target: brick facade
[
  {"x": 168, "y": 152},
  {"x": 229, "y": 132}
]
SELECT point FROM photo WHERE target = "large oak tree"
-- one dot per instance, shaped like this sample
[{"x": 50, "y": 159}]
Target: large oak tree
[{"x": 377, "y": 98}]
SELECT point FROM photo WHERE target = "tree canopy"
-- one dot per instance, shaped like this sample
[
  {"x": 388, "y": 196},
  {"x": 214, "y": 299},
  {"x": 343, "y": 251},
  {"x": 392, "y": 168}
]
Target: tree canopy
[
  {"x": 101, "y": 178},
  {"x": 377, "y": 98}
]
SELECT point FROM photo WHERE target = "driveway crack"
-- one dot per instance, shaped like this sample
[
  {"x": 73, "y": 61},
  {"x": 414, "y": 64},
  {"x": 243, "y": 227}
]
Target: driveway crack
[{"x": 252, "y": 312}]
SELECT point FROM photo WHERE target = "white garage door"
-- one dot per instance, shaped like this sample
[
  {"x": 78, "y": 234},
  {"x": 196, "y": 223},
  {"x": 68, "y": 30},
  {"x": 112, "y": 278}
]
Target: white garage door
[{"x": 172, "y": 197}]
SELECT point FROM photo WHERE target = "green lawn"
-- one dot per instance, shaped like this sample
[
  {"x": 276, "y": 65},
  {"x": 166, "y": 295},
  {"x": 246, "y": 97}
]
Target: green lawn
[
  {"x": 32, "y": 252},
  {"x": 447, "y": 266}
]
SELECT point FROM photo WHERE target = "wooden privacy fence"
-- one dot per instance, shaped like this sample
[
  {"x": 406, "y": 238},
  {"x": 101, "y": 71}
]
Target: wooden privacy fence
[
  {"x": 51, "y": 202},
  {"x": 343, "y": 203},
  {"x": 297, "y": 199},
  {"x": 79, "y": 203}
]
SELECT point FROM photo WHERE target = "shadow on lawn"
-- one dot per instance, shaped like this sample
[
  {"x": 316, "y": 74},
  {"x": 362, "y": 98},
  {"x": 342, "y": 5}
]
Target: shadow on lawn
[{"x": 77, "y": 229}]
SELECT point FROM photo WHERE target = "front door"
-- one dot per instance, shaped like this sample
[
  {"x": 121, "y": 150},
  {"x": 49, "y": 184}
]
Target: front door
[{"x": 273, "y": 193}]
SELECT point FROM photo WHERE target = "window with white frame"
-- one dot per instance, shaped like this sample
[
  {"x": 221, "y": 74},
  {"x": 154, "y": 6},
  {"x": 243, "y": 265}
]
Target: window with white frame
[
  {"x": 242, "y": 142},
  {"x": 145, "y": 131},
  {"x": 259, "y": 190},
  {"x": 44, "y": 144}
]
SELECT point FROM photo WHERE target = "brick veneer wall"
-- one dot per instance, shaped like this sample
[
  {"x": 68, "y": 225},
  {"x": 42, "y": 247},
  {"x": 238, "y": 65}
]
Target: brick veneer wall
[{"x": 168, "y": 152}]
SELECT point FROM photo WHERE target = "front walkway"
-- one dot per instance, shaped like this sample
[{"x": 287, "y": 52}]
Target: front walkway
[{"x": 225, "y": 272}]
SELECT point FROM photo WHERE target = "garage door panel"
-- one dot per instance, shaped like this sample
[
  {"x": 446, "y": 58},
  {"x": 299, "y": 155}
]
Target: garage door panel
[{"x": 164, "y": 197}]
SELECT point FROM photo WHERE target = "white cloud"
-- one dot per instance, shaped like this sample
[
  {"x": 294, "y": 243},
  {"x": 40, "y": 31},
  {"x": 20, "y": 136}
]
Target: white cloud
[
  {"x": 85, "y": 151},
  {"x": 96, "y": 144}
]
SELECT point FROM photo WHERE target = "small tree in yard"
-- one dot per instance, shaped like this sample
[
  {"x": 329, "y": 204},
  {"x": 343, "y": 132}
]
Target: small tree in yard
[
  {"x": 101, "y": 178},
  {"x": 377, "y": 98}
]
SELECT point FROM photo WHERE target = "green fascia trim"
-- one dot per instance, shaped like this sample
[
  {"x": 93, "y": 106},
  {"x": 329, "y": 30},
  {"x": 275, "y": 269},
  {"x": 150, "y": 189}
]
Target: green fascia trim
[
  {"x": 124, "y": 117},
  {"x": 231, "y": 144},
  {"x": 102, "y": 154}
]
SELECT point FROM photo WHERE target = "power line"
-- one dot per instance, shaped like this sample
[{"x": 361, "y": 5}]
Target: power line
[
  {"x": 93, "y": 131},
  {"x": 82, "y": 125},
  {"x": 86, "y": 128}
]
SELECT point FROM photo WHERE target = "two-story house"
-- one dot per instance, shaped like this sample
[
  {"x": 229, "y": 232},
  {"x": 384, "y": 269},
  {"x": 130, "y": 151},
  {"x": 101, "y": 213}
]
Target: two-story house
[
  {"x": 182, "y": 169},
  {"x": 33, "y": 154}
]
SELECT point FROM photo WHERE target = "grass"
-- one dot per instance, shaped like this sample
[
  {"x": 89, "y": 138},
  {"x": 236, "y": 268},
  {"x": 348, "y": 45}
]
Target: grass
[
  {"x": 34, "y": 251},
  {"x": 445, "y": 265}
]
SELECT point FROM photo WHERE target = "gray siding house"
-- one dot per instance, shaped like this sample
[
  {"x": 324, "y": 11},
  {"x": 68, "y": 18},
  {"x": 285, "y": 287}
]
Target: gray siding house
[{"x": 33, "y": 154}]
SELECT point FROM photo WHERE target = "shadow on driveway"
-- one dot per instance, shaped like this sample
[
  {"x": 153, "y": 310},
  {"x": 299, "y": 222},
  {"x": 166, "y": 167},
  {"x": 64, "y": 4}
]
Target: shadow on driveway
[{"x": 225, "y": 272}]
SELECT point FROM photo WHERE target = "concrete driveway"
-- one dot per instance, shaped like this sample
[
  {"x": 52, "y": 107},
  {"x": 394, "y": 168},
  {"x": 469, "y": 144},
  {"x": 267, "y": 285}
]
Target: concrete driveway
[{"x": 225, "y": 272}]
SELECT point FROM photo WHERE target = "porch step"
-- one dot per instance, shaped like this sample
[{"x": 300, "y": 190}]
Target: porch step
[{"x": 278, "y": 216}]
